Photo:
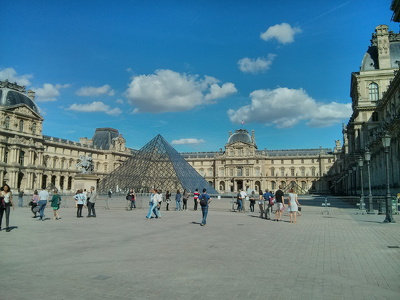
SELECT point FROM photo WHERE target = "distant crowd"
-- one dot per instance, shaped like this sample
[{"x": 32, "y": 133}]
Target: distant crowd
[{"x": 87, "y": 199}]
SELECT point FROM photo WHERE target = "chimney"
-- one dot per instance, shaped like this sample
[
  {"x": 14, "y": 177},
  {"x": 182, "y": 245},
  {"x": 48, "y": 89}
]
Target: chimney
[
  {"x": 382, "y": 36},
  {"x": 31, "y": 95}
]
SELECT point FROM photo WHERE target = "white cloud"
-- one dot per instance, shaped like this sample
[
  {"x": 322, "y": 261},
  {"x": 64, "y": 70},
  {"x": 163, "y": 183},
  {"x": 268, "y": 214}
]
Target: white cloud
[
  {"x": 284, "y": 33},
  {"x": 169, "y": 91},
  {"x": 49, "y": 92},
  {"x": 96, "y": 106},
  {"x": 119, "y": 101},
  {"x": 261, "y": 64},
  {"x": 11, "y": 75},
  {"x": 90, "y": 91},
  {"x": 283, "y": 108},
  {"x": 217, "y": 92},
  {"x": 187, "y": 141}
]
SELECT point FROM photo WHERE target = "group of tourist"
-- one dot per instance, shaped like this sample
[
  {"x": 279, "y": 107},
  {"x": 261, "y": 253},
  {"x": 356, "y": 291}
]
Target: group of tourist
[
  {"x": 156, "y": 200},
  {"x": 87, "y": 200},
  {"x": 82, "y": 199},
  {"x": 266, "y": 201},
  {"x": 269, "y": 200}
]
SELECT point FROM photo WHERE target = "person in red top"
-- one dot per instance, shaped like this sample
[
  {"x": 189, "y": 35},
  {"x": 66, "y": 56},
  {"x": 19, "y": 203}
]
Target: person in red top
[{"x": 196, "y": 195}]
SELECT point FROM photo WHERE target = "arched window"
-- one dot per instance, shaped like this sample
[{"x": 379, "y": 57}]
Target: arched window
[
  {"x": 312, "y": 171},
  {"x": 34, "y": 128},
  {"x": 7, "y": 122},
  {"x": 273, "y": 185},
  {"x": 21, "y": 126},
  {"x": 373, "y": 90}
]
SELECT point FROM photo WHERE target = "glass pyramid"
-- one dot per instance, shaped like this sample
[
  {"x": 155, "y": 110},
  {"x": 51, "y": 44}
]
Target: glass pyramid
[{"x": 156, "y": 165}]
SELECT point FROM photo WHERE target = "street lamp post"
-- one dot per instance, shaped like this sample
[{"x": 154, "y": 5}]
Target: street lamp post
[
  {"x": 360, "y": 164},
  {"x": 386, "y": 145},
  {"x": 367, "y": 156}
]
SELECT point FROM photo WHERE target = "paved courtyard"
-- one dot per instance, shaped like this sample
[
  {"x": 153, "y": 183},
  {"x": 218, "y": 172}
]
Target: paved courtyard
[{"x": 122, "y": 255}]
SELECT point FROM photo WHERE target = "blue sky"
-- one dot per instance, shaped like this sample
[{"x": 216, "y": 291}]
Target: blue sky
[{"x": 191, "y": 70}]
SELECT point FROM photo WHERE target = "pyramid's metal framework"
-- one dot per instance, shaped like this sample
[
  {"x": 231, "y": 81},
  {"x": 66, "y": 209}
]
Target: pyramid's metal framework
[{"x": 157, "y": 165}]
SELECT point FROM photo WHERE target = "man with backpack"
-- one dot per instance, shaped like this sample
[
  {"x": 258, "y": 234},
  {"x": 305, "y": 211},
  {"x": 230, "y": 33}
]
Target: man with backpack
[
  {"x": 269, "y": 202},
  {"x": 204, "y": 200}
]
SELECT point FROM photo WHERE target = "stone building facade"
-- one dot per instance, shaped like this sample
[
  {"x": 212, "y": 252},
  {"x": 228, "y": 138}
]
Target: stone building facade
[
  {"x": 375, "y": 93},
  {"x": 242, "y": 166},
  {"x": 30, "y": 160}
]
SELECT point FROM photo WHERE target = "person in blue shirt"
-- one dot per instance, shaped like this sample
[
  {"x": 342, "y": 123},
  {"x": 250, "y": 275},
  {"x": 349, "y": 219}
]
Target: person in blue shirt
[
  {"x": 204, "y": 200},
  {"x": 268, "y": 204}
]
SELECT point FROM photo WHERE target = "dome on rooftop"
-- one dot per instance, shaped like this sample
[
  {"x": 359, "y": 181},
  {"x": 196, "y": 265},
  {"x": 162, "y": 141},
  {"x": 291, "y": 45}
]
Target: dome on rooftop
[
  {"x": 12, "y": 94},
  {"x": 240, "y": 135}
]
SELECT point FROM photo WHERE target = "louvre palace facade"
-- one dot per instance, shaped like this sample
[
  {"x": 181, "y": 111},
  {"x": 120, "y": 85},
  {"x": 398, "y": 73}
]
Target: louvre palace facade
[
  {"x": 364, "y": 161},
  {"x": 241, "y": 165},
  {"x": 30, "y": 160}
]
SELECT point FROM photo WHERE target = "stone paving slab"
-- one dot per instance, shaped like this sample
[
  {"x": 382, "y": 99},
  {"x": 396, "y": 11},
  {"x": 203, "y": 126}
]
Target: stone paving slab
[{"x": 122, "y": 255}]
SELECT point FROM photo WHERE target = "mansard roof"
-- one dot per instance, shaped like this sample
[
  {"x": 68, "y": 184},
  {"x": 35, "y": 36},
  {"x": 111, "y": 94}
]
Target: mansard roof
[
  {"x": 103, "y": 137},
  {"x": 12, "y": 94}
]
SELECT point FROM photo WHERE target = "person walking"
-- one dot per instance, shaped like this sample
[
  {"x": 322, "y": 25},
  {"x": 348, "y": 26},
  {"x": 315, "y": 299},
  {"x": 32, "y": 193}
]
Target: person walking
[
  {"x": 252, "y": 199},
  {"x": 55, "y": 204},
  {"x": 34, "y": 203},
  {"x": 133, "y": 199},
  {"x": 204, "y": 200},
  {"x": 196, "y": 195},
  {"x": 261, "y": 203},
  {"x": 43, "y": 197},
  {"x": 5, "y": 204},
  {"x": 130, "y": 200},
  {"x": 159, "y": 199},
  {"x": 244, "y": 196},
  {"x": 21, "y": 198},
  {"x": 152, "y": 204},
  {"x": 178, "y": 200},
  {"x": 167, "y": 199},
  {"x": 185, "y": 198},
  {"x": 280, "y": 204},
  {"x": 80, "y": 202},
  {"x": 109, "y": 194},
  {"x": 293, "y": 204},
  {"x": 91, "y": 201},
  {"x": 268, "y": 200}
]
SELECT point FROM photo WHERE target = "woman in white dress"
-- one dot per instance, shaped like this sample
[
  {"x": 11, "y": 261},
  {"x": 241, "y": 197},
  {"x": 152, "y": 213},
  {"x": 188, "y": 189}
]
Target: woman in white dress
[{"x": 293, "y": 204}]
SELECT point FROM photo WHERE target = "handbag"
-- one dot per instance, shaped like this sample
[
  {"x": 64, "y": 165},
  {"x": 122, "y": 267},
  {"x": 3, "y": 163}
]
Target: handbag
[
  {"x": 36, "y": 209},
  {"x": 299, "y": 208}
]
